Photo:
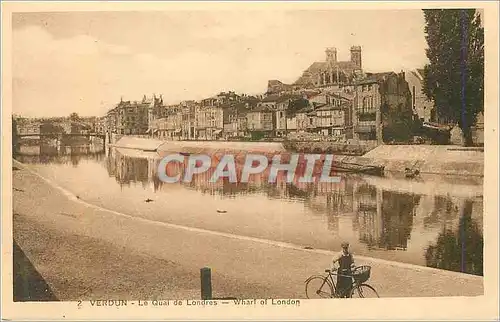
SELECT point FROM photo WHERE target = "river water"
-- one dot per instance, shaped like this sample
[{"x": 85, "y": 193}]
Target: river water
[{"x": 432, "y": 221}]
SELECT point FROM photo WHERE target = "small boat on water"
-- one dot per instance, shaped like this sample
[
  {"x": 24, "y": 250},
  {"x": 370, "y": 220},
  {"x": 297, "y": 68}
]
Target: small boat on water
[
  {"x": 411, "y": 173},
  {"x": 357, "y": 168}
]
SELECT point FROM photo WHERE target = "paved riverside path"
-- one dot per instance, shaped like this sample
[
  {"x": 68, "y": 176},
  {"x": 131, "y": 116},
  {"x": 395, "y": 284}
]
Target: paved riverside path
[
  {"x": 28, "y": 284},
  {"x": 85, "y": 252}
]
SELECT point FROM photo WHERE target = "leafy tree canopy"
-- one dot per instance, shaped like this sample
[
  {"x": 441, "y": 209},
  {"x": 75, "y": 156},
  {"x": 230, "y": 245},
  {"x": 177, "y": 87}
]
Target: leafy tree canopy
[
  {"x": 297, "y": 105},
  {"x": 74, "y": 117},
  {"x": 454, "y": 78}
]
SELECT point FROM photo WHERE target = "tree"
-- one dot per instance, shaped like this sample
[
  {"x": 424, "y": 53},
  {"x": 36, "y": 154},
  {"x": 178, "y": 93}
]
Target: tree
[
  {"x": 297, "y": 105},
  {"x": 74, "y": 117},
  {"x": 454, "y": 78},
  {"x": 51, "y": 129}
]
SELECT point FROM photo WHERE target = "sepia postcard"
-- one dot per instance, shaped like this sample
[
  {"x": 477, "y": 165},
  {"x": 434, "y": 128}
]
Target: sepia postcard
[{"x": 250, "y": 160}]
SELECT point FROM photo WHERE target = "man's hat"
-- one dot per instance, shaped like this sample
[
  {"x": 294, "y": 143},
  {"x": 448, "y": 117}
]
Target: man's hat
[{"x": 345, "y": 244}]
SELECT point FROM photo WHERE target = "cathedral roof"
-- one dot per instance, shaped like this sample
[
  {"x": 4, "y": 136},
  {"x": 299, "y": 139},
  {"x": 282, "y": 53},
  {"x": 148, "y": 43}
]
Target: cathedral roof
[
  {"x": 347, "y": 67},
  {"x": 342, "y": 65},
  {"x": 317, "y": 66}
]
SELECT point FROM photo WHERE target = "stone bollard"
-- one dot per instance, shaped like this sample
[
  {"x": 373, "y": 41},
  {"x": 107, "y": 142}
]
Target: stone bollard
[{"x": 206, "y": 283}]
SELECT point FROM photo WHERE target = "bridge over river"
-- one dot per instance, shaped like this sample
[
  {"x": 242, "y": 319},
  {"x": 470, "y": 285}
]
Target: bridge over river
[{"x": 59, "y": 136}]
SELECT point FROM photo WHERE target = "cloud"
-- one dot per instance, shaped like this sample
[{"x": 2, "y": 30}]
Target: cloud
[
  {"x": 237, "y": 24},
  {"x": 83, "y": 74},
  {"x": 86, "y": 63}
]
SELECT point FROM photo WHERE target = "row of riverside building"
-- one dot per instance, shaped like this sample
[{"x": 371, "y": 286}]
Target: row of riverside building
[{"x": 331, "y": 100}]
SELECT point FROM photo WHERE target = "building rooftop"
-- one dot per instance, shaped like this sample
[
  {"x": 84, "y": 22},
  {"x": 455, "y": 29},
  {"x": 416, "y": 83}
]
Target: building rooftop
[
  {"x": 306, "y": 109},
  {"x": 330, "y": 107},
  {"x": 261, "y": 108},
  {"x": 372, "y": 78},
  {"x": 270, "y": 98},
  {"x": 281, "y": 98},
  {"x": 342, "y": 96},
  {"x": 234, "y": 108}
]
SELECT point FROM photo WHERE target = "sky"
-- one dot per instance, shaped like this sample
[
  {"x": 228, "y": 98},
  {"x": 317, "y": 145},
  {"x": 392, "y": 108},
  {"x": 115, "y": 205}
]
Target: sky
[{"x": 84, "y": 62}]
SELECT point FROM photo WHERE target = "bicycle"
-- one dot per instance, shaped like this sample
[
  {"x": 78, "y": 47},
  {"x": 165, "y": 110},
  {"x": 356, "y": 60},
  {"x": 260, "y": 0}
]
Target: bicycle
[{"x": 328, "y": 289}]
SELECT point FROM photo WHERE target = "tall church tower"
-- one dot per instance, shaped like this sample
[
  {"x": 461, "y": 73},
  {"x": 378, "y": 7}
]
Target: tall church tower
[
  {"x": 331, "y": 55},
  {"x": 356, "y": 56}
]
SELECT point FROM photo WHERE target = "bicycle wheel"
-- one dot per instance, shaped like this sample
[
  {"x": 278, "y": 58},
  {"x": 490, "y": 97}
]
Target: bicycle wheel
[
  {"x": 318, "y": 287},
  {"x": 364, "y": 291}
]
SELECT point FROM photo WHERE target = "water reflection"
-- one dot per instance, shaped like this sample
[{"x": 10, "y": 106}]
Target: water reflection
[
  {"x": 444, "y": 210},
  {"x": 128, "y": 170},
  {"x": 398, "y": 211},
  {"x": 382, "y": 219},
  {"x": 53, "y": 154},
  {"x": 434, "y": 223},
  {"x": 459, "y": 249}
]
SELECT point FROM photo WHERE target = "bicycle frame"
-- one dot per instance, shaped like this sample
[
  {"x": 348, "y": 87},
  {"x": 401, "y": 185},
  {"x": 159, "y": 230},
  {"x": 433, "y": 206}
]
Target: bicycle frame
[
  {"x": 331, "y": 274},
  {"x": 334, "y": 291},
  {"x": 331, "y": 281}
]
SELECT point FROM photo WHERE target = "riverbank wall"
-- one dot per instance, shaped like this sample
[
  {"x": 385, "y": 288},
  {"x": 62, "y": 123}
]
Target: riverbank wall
[
  {"x": 427, "y": 159},
  {"x": 198, "y": 147},
  {"x": 354, "y": 149}
]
